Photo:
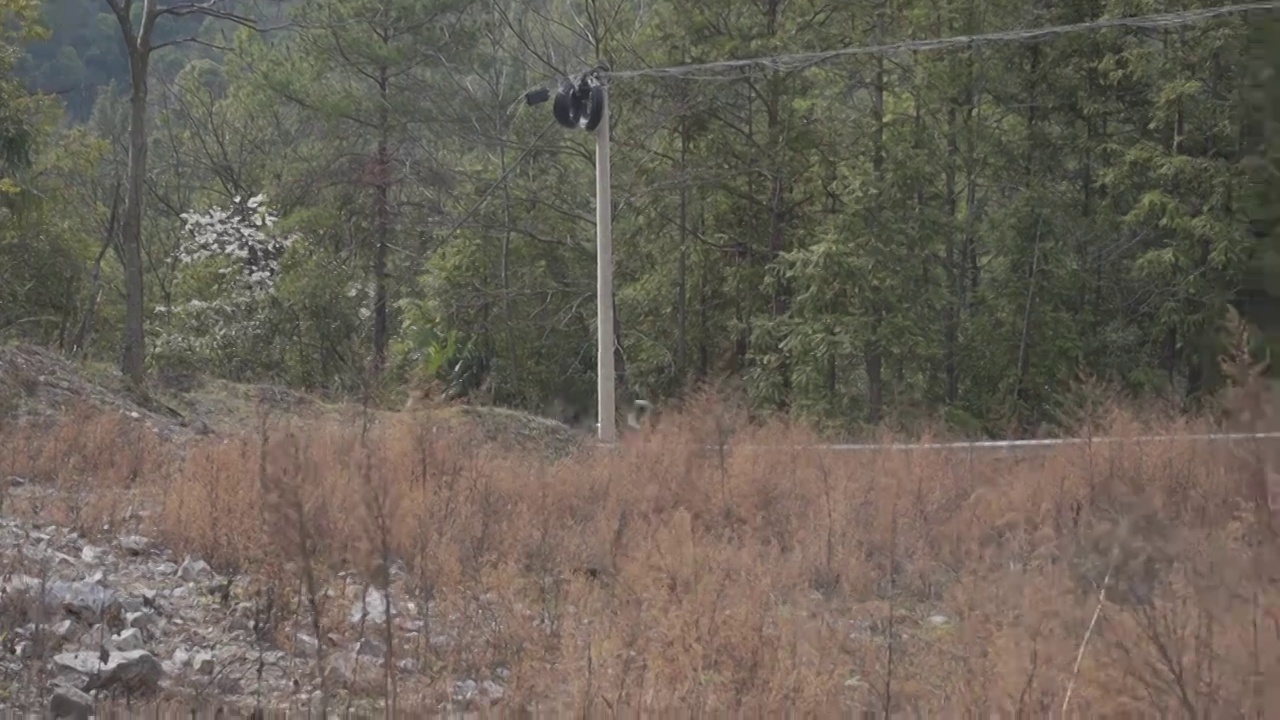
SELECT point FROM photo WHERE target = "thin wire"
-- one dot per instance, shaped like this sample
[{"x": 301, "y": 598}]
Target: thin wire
[
  {"x": 800, "y": 61},
  {"x": 510, "y": 169},
  {"x": 1013, "y": 445}
]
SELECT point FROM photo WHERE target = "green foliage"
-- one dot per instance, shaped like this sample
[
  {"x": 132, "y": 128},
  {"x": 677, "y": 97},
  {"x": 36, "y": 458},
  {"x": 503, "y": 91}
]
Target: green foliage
[
  {"x": 428, "y": 355},
  {"x": 19, "y": 24},
  {"x": 43, "y": 248},
  {"x": 938, "y": 236},
  {"x": 1260, "y": 97},
  {"x": 81, "y": 56}
]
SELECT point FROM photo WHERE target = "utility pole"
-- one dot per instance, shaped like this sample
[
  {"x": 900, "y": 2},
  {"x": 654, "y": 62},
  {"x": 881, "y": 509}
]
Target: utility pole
[
  {"x": 580, "y": 104},
  {"x": 606, "y": 401}
]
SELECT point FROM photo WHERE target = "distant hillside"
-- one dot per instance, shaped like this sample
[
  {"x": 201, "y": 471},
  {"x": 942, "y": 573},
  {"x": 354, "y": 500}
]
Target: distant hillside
[{"x": 85, "y": 54}]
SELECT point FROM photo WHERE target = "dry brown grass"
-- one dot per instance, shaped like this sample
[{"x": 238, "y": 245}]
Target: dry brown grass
[{"x": 663, "y": 575}]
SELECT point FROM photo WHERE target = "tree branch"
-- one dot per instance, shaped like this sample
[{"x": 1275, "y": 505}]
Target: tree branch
[
  {"x": 122, "y": 9},
  {"x": 149, "y": 15},
  {"x": 208, "y": 9},
  {"x": 194, "y": 41}
]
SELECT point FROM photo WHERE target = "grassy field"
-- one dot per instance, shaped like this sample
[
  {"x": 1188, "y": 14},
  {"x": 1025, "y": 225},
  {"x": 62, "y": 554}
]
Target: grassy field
[{"x": 677, "y": 573}]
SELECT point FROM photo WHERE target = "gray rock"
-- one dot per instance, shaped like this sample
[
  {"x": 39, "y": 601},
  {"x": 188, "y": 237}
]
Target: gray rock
[
  {"x": 142, "y": 620},
  {"x": 85, "y": 599},
  {"x": 127, "y": 640},
  {"x": 464, "y": 690},
  {"x": 346, "y": 668},
  {"x": 137, "y": 670},
  {"x": 68, "y": 702},
  {"x": 84, "y": 662},
  {"x": 22, "y": 583},
  {"x": 409, "y": 624},
  {"x": 372, "y": 607},
  {"x": 68, "y": 630},
  {"x": 202, "y": 662},
  {"x": 134, "y": 544},
  {"x": 492, "y": 690},
  {"x": 232, "y": 655},
  {"x": 193, "y": 570},
  {"x": 368, "y": 647},
  {"x": 305, "y": 645},
  {"x": 91, "y": 554}
]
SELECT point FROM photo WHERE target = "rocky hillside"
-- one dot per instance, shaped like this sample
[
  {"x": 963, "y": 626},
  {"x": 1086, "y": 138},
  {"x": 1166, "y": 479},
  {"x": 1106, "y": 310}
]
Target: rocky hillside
[{"x": 86, "y": 622}]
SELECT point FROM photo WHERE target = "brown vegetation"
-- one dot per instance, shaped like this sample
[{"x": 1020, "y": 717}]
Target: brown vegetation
[{"x": 676, "y": 571}]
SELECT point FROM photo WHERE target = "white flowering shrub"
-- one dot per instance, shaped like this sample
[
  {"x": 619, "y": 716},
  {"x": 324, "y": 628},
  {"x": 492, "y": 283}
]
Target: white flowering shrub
[
  {"x": 251, "y": 302},
  {"x": 242, "y": 235},
  {"x": 228, "y": 267}
]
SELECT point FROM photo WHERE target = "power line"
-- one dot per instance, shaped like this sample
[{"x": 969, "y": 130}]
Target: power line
[
  {"x": 1015, "y": 446},
  {"x": 1018, "y": 445},
  {"x": 801, "y": 61},
  {"x": 494, "y": 186}
]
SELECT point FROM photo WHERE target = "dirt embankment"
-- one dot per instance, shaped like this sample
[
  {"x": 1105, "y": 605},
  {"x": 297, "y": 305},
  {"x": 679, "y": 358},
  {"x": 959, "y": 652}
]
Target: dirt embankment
[{"x": 39, "y": 383}]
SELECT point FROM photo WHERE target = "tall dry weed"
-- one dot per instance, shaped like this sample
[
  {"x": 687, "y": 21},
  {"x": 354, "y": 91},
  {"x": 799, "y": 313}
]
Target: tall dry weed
[
  {"x": 101, "y": 464},
  {"x": 713, "y": 564}
]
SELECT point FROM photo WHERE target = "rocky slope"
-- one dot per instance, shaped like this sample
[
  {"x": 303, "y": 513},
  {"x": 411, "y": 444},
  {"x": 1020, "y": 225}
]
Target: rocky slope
[{"x": 84, "y": 623}]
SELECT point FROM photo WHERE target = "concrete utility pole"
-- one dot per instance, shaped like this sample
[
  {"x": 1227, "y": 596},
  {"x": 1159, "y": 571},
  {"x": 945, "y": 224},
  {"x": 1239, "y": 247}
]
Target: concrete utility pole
[
  {"x": 604, "y": 282},
  {"x": 581, "y": 104}
]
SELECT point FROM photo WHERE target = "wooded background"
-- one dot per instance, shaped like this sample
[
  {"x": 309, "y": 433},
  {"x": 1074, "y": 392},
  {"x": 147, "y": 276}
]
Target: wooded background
[{"x": 339, "y": 188}]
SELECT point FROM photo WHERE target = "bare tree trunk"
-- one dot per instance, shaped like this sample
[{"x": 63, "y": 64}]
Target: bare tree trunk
[
  {"x": 620, "y": 357},
  {"x": 704, "y": 299},
  {"x": 1024, "y": 343},
  {"x": 969, "y": 297},
  {"x": 84, "y": 334},
  {"x": 1020, "y": 398},
  {"x": 874, "y": 368},
  {"x": 508, "y": 318},
  {"x": 778, "y": 210},
  {"x": 134, "y": 352},
  {"x": 875, "y": 348},
  {"x": 682, "y": 288},
  {"x": 138, "y": 47},
  {"x": 954, "y": 273},
  {"x": 382, "y": 229}
]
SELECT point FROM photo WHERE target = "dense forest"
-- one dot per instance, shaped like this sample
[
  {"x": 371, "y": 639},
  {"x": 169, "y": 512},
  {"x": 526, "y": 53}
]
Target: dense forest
[{"x": 333, "y": 190}]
